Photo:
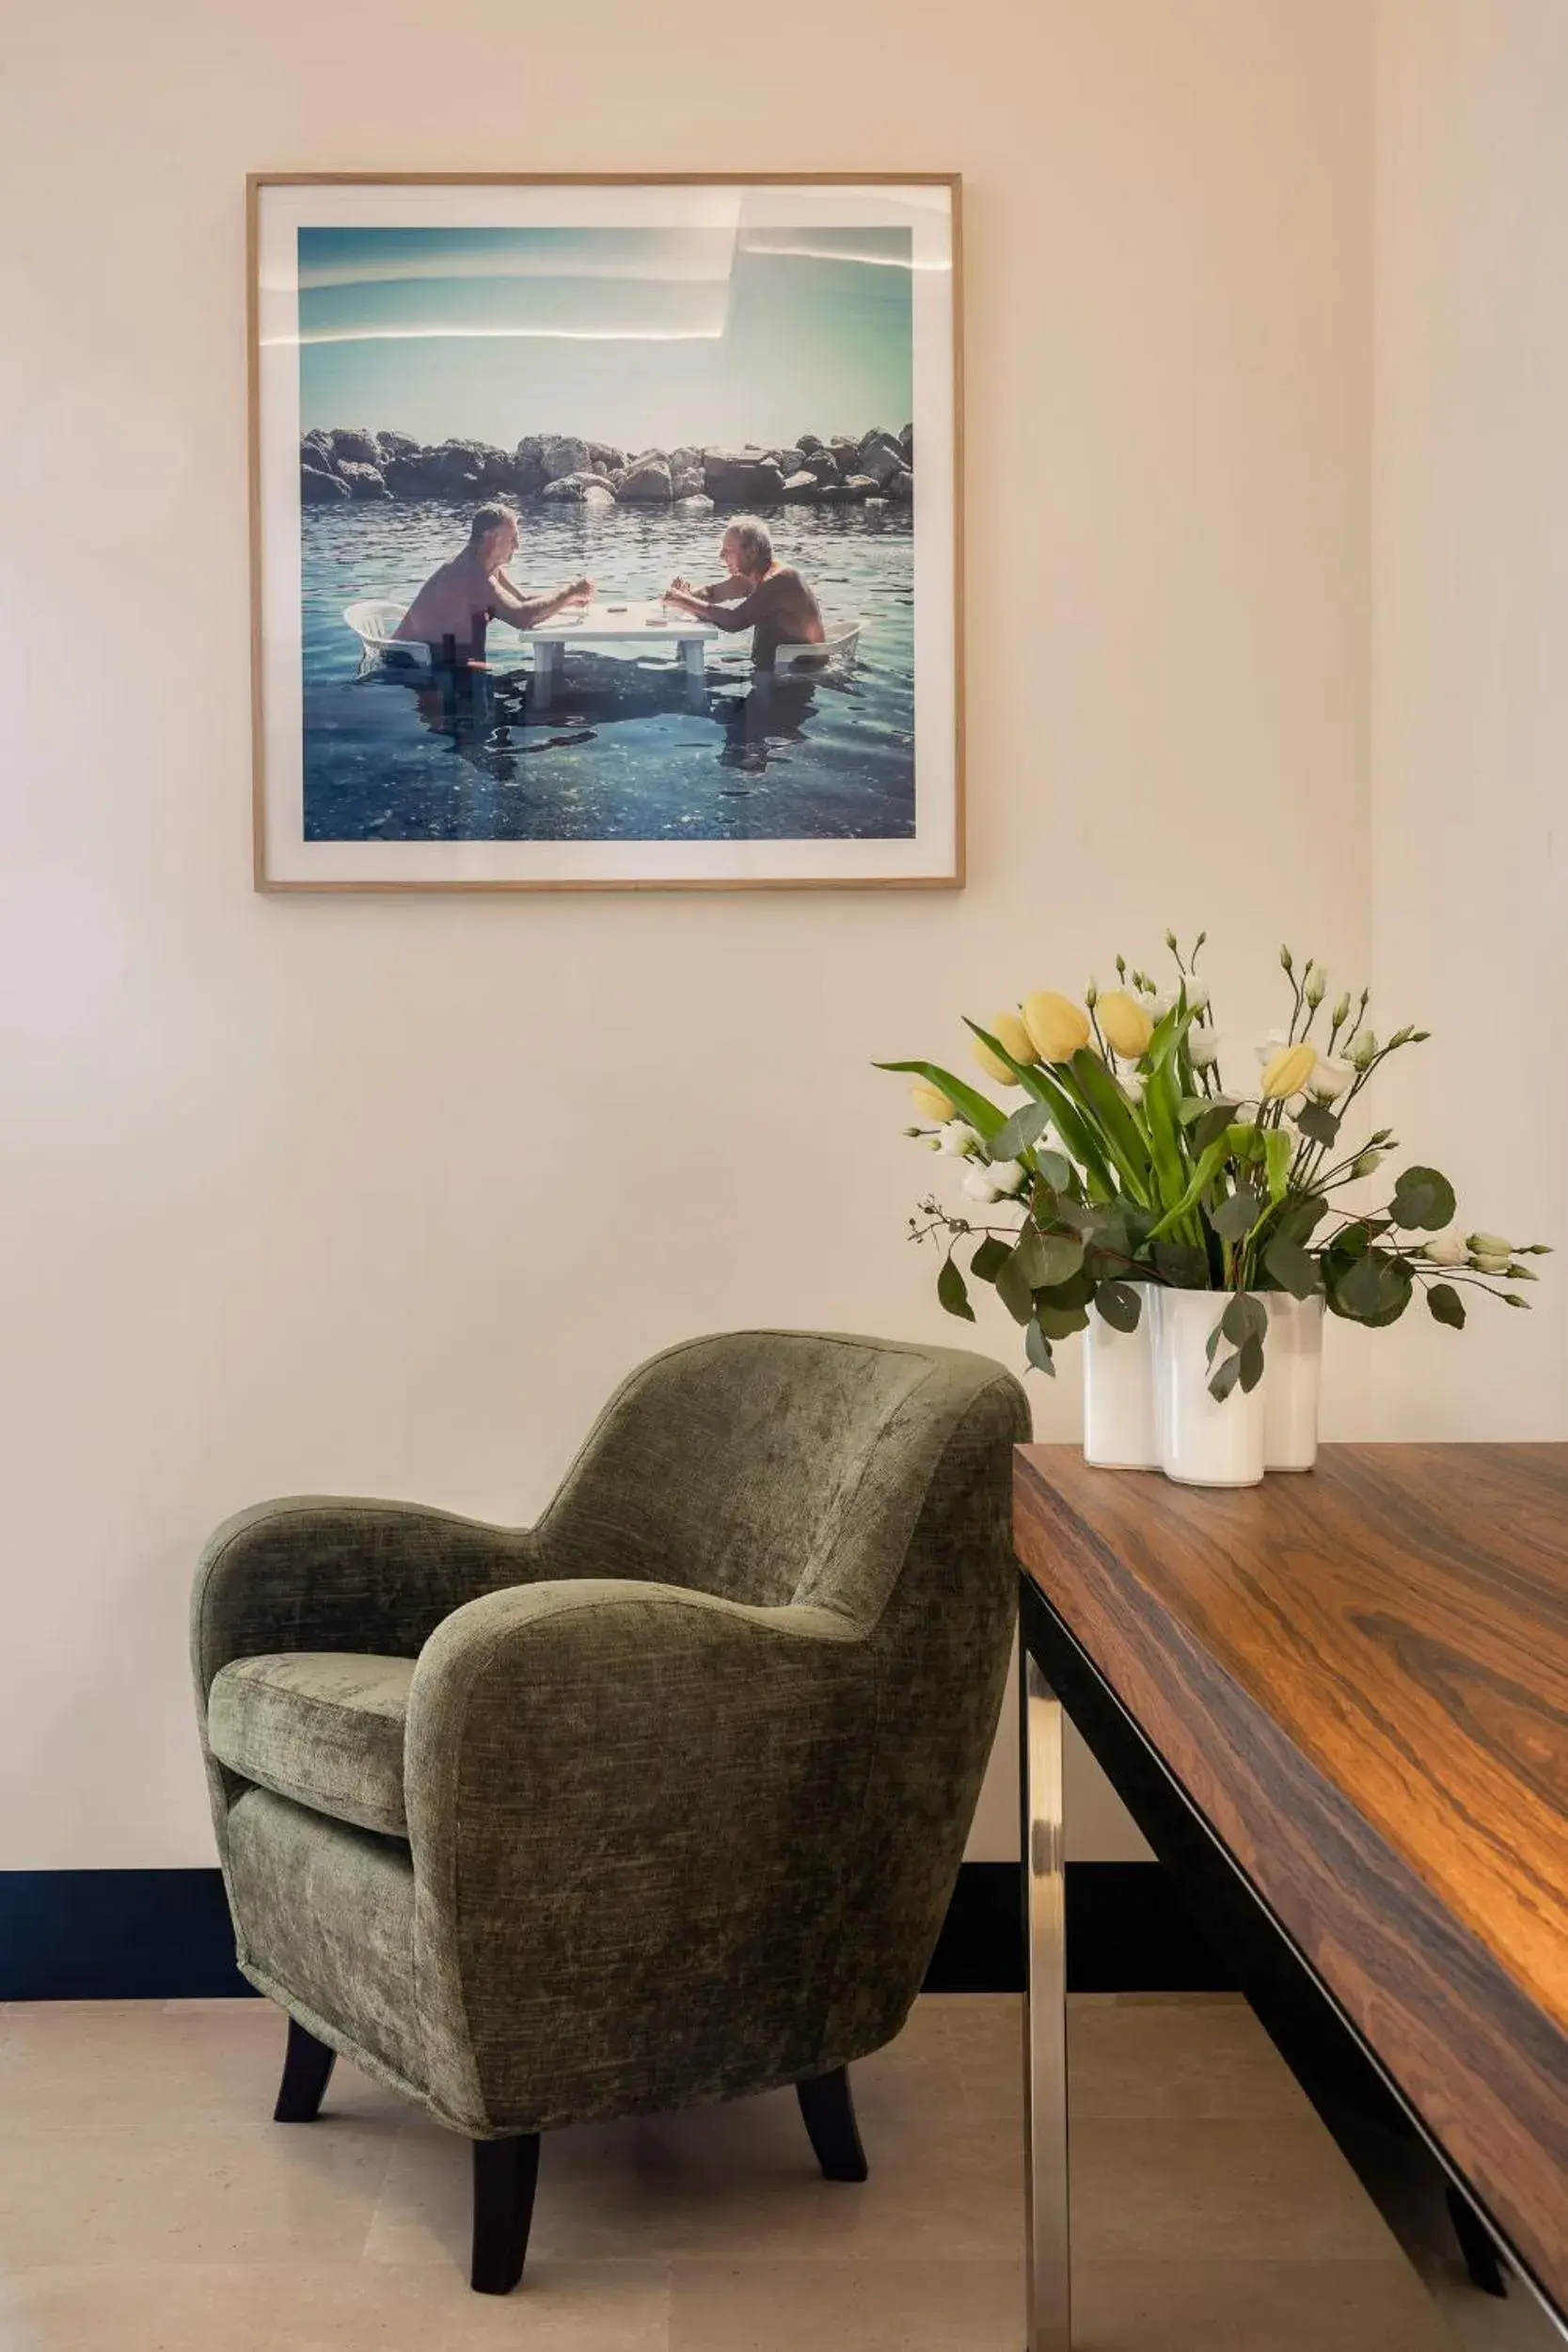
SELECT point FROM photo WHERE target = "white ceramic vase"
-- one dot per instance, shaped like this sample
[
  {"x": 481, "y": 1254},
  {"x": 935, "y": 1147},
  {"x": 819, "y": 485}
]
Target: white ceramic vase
[
  {"x": 1119, "y": 1425},
  {"x": 1292, "y": 1376},
  {"x": 1204, "y": 1440}
]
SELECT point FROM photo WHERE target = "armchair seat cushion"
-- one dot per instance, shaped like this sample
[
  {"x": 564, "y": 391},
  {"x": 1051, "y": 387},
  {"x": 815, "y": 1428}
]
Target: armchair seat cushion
[{"x": 323, "y": 1728}]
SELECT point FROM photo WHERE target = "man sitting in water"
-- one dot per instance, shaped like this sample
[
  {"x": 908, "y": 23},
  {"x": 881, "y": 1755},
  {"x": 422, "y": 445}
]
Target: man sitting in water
[
  {"x": 757, "y": 593},
  {"x": 452, "y": 610}
]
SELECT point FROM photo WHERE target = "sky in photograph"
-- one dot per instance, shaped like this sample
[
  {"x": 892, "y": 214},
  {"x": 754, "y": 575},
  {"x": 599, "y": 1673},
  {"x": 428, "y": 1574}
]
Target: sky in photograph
[{"x": 641, "y": 336}]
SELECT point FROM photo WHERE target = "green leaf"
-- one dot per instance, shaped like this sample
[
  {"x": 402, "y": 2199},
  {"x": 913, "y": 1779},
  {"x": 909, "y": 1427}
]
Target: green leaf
[
  {"x": 1375, "y": 1290},
  {"x": 1183, "y": 1263},
  {"x": 1015, "y": 1134},
  {"x": 953, "y": 1292},
  {"x": 1445, "y": 1304},
  {"x": 1049, "y": 1257},
  {"x": 1226, "y": 1378},
  {"x": 1015, "y": 1290},
  {"x": 1279, "y": 1149},
  {"x": 1055, "y": 1168},
  {"x": 1318, "y": 1123},
  {"x": 1300, "y": 1218},
  {"x": 1236, "y": 1215},
  {"x": 989, "y": 1259},
  {"x": 1107, "y": 1105},
  {"x": 1290, "y": 1266},
  {"x": 1060, "y": 1323},
  {"x": 1251, "y": 1362},
  {"x": 1038, "y": 1348},
  {"x": 1070, "y": 1125},
  {"x": 1245, "y": 1318},
  {"x": 1076, "y": 1291},
  {"x": 1210, "y": 1346},
  {"x": 1215, "y": 1118},
  {"x": 1120, "y": 1304},
  {"x": 967, "y": 1102},
  {"x": 1423, "y": 1200}
]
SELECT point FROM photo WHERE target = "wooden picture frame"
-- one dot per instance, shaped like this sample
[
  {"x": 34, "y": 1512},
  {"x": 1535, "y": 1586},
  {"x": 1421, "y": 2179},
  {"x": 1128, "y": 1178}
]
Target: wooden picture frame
[{"x": 623, "y": 741}]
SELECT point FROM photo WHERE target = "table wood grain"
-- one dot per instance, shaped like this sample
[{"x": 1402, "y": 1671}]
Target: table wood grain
[{"x": 1360, "y": 1677}]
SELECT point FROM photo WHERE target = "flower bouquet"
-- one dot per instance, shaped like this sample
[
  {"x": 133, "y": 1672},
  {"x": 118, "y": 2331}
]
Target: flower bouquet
[{"x": 1131, "y": 1172}]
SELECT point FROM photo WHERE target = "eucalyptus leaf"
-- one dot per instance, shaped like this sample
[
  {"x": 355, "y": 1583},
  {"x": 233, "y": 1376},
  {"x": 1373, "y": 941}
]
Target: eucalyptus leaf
[
  {"x": 989, "y": 1259},
  {"x": 1213, "y": 1120},
  {"x": 953, "y": 1292},
  {"x": 1183, "y": 1263},
  {"x": 1014, "y": 1289},
  {"x": 1236, "y": 1215},
  {"x": 1038, "y": 1348},
  {"x": 1210, "y": 1346},
  {"x": 1060, "y": 1323},
  {"x": 1423, "y": 1200},
  {"x": 1445, "y": 1304},
  {"x": 1251, "y": 1362},
  {"x": 1048, "y": 1258},
  {"x": 1318, "y": 1123},
  {"x": 1076, "y": 1291},
  {"x": 1015, "y": 1134},
  {"x": 1290, "y": 1266},
  {"x": 1120, "y": 1305},
  {"x": 1245, "y": 1318},
  {"x": 1225, "y": 1379}
]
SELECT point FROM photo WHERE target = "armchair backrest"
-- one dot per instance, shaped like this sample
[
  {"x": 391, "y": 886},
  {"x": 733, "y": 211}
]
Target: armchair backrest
[{"x": 770, "y": 1466}]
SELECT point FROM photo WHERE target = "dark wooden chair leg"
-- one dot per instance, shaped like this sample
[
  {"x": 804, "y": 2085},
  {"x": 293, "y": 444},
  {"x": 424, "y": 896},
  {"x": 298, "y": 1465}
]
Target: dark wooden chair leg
[
  {"x": 506, "y": 2172},
  {"x": 1475, "y": 2244},
  {"x": 828, "y": 2113},
  {"x": 306, "y": 2068}
]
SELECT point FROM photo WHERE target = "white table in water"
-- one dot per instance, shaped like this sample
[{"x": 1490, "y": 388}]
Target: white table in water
[{"x": 621, "y": 624}]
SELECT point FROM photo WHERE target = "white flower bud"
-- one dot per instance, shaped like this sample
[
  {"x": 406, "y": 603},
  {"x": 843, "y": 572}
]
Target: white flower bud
[
  {"x": 1317, "y": 985},
  {"x": 1203, "y": 1047},
  {"x": 1366, "y": 1162},
  {"x": 1196, "y": 995},
  {"x": 958, "y": 1140},
  {"x": 1362, "y": 1049},
  {"x": 1447, "y": 1249},
  {"x": 979, "y": 1185},
  {"x": 1007, "y": 1176}
]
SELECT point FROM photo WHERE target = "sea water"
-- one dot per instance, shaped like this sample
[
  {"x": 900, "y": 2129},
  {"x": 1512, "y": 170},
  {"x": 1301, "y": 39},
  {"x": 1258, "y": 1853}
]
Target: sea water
[{"x": 625, "y": 751}]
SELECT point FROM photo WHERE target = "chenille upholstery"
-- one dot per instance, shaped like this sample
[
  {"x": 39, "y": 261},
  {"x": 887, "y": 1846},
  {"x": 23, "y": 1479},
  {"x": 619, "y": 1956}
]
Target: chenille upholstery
[{"x": 658, "y": 1803}]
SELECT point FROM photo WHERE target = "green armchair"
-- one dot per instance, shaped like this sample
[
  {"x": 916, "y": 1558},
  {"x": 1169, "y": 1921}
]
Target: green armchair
[{"x": 658, "y": 1803}]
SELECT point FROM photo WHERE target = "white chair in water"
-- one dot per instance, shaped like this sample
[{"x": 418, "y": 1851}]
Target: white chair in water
[
  {"x": 840, "y": 643},
  {"x": 374, "y": 622}
]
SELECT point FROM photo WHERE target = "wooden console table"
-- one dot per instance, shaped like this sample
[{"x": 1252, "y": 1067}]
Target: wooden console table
[{"x": 1337, "y": 1706}]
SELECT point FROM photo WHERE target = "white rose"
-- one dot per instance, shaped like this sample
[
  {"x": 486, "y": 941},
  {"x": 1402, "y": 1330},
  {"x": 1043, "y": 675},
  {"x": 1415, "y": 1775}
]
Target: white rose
[
  {"x": 1158, "y": 1005},
  {"x": 979, "y": 1185},
  {"x": 1007, "y": 1176},
  {"x": 1203, "y": 1046},
  {"x": 1447, "y": 1249},
  {"x": 1329, "y": 1079},
  {"x": 1274, "y": 1044},
  {"x": 958, "y": 1140},
  {"x": 1198, "y": 994}
]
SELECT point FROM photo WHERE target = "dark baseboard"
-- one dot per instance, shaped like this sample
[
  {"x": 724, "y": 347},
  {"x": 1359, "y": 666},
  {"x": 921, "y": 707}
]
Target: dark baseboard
[{"x": 163, "y": 1935}]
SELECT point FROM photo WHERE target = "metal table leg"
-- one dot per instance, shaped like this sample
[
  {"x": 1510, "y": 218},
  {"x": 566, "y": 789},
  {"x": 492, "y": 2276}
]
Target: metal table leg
[{"x": 1045, "y": 2087}]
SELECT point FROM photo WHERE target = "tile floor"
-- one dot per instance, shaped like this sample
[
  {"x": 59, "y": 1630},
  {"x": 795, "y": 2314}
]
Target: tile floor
[{"x": 147, "y": 2204}]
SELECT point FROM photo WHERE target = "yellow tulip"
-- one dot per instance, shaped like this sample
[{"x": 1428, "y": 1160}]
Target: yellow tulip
[
  {"x": 1011, "y": 1033},
  {"x": 1124, "y": 1025},
  {"x": 1286, "y": 1073},
  {"x": 992, "y": 1064},
  {"x": 929, "y": 1104},
  {"x": 1056, "y": 1025}
]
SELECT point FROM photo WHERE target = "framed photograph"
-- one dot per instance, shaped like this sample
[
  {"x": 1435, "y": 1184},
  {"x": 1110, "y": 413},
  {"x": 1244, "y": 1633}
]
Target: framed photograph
[{"x": 605, "y": 532}]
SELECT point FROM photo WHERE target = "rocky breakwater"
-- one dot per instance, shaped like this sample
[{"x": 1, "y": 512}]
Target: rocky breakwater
[{"x": 350, "y": 462}]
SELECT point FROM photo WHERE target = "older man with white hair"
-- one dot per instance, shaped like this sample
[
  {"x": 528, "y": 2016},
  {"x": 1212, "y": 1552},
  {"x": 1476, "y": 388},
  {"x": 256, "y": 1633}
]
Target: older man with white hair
[{"x": 757, "y": 592}]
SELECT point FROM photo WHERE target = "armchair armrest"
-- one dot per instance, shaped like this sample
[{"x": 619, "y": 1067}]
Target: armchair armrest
[
  {"x": 638, "y": 1802},
  {"x": 340, "y": 1572}
]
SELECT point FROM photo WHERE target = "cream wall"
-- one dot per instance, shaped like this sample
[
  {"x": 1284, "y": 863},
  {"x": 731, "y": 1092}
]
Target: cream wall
[
  {"x": 1470, "y": 882},
  {"x": 382, "y": 1195}
]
